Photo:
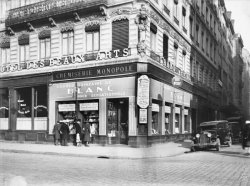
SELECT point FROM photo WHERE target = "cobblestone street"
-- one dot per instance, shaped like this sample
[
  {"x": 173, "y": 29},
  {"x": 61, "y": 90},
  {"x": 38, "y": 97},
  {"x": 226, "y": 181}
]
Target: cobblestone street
[{"x": 227, "y": 167}]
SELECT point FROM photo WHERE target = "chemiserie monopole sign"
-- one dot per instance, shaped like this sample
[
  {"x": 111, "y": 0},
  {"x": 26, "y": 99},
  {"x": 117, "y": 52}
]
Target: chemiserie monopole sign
[{"x": 143, "y": 91}]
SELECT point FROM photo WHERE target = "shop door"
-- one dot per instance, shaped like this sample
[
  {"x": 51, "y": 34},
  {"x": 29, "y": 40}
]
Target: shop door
[{"x": 118, "y": 120}]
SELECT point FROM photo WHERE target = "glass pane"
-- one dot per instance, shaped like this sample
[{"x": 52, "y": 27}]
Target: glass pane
[
  {"x": 8, "y": 55},
  {"x": 3, "y": 56},
  {"x": 27, "y": 52},
  {"x": 42, "y": 49},
  {"x": 4, "y": 103},
  {"x": 40, "y": 102},
  {"x": 65, "y": 46},
  {"x": 96, "y": 41},
  {"x": 24, "y": 102},
  {"x": 47, "y": 48},
  {"x": 22, "y": 53},
  {"x": 71, "y": 45},
  {"x": 89, "y": 42}
]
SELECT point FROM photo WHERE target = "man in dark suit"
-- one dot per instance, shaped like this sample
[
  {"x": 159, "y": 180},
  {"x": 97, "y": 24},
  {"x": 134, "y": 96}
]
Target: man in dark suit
[{"x": 64, "y": 133}]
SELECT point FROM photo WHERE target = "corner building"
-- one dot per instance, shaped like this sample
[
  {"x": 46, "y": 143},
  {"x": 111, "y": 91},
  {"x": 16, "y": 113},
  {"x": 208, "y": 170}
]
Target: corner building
[{"x": 122, "y": 66}]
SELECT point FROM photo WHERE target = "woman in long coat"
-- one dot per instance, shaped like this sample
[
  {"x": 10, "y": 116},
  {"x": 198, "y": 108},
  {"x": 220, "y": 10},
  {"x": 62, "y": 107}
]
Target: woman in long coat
[
  {"x": 246, "y": 138},
  {"x": 87, "y": 134},
  {"x": 56, "y": 132}
]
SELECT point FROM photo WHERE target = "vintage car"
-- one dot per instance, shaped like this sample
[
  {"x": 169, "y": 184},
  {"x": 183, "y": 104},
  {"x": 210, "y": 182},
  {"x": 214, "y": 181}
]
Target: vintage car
[{"x": 212, "y": 134}]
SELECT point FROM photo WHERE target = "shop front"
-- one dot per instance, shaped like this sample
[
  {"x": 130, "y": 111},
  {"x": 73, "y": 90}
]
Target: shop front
[{"x": 106, "y": 104}]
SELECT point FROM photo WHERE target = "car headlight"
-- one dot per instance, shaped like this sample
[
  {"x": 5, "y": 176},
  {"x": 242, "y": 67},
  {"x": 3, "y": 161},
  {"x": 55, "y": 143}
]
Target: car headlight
[
  {"x": 209, "y": 135},
  {"x": 197, "y": 135}
]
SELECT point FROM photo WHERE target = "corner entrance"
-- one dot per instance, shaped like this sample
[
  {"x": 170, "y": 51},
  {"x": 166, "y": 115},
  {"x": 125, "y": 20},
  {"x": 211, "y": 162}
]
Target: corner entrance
[{"x": 117, "y": 120}]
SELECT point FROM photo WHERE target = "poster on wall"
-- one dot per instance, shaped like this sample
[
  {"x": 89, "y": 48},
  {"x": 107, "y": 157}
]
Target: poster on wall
[
  {"x": 143, "y": 116},
  {"x": 143, "y": 91},
  {"x": 88, "y": 106}
]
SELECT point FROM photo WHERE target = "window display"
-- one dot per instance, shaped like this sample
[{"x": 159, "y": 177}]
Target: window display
[{"x": 112, "y": 120}]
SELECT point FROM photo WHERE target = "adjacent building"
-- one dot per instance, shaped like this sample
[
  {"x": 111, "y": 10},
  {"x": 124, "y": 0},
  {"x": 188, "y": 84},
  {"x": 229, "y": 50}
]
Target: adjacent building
[{"x": 139, "y": 72}]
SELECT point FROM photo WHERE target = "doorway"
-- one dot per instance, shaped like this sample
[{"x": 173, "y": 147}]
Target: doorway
[{"x": 117, "y": 120}]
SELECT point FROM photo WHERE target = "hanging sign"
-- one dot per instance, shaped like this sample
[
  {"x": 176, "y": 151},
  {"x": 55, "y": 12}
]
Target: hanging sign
[
  {"x": 88, "y": 106},
  {"x": 143, "y": 91},
  {"x": 176, "y": 81},
  {"x": 66, "y": 107}
]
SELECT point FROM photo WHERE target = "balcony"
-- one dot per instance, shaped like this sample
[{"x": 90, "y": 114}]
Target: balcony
[{"x": 49, "y": 8}]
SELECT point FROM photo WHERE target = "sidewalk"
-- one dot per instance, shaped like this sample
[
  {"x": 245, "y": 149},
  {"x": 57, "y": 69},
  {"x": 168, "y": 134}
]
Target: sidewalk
[{"x": 97, "y": 151}]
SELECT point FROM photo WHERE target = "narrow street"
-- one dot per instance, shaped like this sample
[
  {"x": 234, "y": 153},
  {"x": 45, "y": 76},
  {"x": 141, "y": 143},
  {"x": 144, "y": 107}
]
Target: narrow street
[{"x": 227, "y": 167}]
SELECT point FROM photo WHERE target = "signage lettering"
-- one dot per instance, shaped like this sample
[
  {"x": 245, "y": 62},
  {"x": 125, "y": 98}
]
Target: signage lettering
[{"x": 72, "y": 59}]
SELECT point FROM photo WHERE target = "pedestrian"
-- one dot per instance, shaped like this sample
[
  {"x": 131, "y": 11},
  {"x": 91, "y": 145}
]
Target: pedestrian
[
  {"x": 72, "y": 132},
  {"x": 56, "y": 132},
  {"x": 86, "y": 134},
  {"x": 246, "y": 138},
  {"x": 64, "y": 133},
  {"x": 78, "y": 132}
]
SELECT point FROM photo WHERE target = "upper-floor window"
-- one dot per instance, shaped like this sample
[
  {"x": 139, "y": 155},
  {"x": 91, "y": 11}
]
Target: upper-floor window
[
  {"x": 165, "y": 47},
  {"x": 45, "y": 44},
  {"x": 175, "y": 10},
  {"x": 92, "y": 38},
  {"x": 5, "y": 55},
  {"x": 191, "y": 22},
  {"x": 120, "y": 34},
  {"x": 207, "y": 14},
  {"x": 184, "y": 60},
  {"x": 197, "y": 34},
  {"x": 68, "y": 42},
  {"x": 183, "y": 17},
  {"x": 45, "y": 48},
  {"x": 23, "y": 41},
  {"x": 153, "y": 31},
  {"x": 175, "y": 53},
  {"x": 202, "y": 6}
]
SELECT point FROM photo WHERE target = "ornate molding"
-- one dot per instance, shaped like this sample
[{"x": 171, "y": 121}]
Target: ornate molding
[
  {"x": 10, "y": 31},
  {"x": 76, "y": 16},
  {"x": 30, "y": 27},
  {"x": 52, "y": 22}
]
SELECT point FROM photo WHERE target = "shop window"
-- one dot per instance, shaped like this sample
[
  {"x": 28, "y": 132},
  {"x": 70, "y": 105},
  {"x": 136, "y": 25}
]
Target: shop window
[
  {"x": 117, "y": 120},
  {"x": 66, "y": 111},
  {"x": 177, "y": 120},
  {"x": 92, "y": 38},
  {"x": 156, "y": 119},
  {"x": 167, "y": 119},
  {"x": 40, "y": 101},
  {"x": 4, "y": 103},
  {"x": 24, "y": 102},
  {"x": 186, "y": 121},
  {"x": 45, "y": 45},
  {"x": 153, "y": 31},
  {"x": 120, "y": 34},
  {"x": 5, "y": 56},
  {"x": 90, "y": 114},
  {"x": 68, "y": 42}
]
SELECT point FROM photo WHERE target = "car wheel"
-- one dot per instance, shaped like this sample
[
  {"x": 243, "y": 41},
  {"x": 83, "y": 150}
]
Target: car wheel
[{"x": 218, "y": 145}]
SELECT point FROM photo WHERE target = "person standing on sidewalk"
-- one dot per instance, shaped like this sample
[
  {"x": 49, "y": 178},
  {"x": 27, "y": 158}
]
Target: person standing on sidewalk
[
  {"x": 56, "y": 132},
  {"x": 246, "y": 137},
  {"x": 86, "y": 134},
  {"x": 64, "y": 134},
  {"x": 78, "y": 132}
]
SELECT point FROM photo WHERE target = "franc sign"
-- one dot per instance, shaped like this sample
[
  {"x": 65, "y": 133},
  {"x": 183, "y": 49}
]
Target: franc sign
[{"x": 143, "y": 91}]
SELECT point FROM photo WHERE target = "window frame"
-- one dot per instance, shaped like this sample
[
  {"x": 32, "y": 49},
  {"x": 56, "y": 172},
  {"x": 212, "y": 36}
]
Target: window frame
[
  {"x": 66, "y": 51},
  {"x": 93, "y": 42}
]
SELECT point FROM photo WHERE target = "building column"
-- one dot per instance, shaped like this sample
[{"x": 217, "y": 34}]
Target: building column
[
  {"x": 13, "y": 109},
  {"x": 182, "y": 124},
  {"x": 132, "y": 119},
  {"x": 102, "y": 116}
]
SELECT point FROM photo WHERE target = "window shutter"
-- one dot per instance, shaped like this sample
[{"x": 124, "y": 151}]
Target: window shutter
[{"x": 120, "y": 34}]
